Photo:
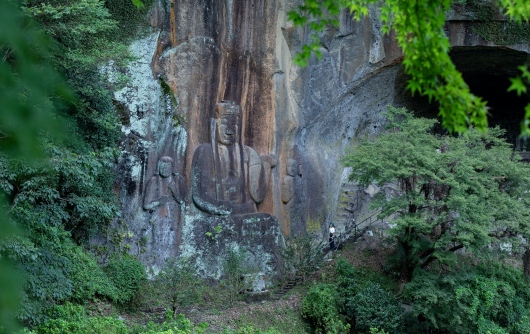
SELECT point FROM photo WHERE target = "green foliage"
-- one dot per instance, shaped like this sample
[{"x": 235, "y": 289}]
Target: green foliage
[
  {"x": 73, "y": 24},
  {"x": 376, "y": 308},
  {"x": 519, "y": 84},
  {"x": 69, "y": 318},
  {"x": 29, "y": 90},
  {"x": 46, "y": 282},
  {"x": 523, "y": 326},
  {"x": 130, "y": 16},
  {"x": 302, "y": 255},
  {"x": 128, "y": 275},
  {"x": 251, "y": 330},
  {"x": 271, "y": 319},
  {"x": 490, "y": 297},
  {"x": 180, "y": 283},
  {"x": 69, "y": 186},
  {"x": 320, "y": 308},
  {"x": 235, "y": 270},
  {"x": 88, "y": 279},
  {"x": 55, "y": 271},
  {"x": 487, "y": 25},
  {"x": 84, "y": 32},
  {"x": 176, "y": 325},
  {"x": 466, "y": 191},
  {"x": 419, "y": 31},
  {"x": 364, "y": 303},
  {"x": 377, "y": 331}
]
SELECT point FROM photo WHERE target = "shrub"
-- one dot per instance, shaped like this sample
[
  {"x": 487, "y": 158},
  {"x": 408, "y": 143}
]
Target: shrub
[
  {"x": 347, "y": 288},
  {"x": 376, "y": 308},
  {"x": 523, "y": 326},
  {"x": 177, "y": 325},
  {"x": 69, "y": 318},
  {"x": 357, "y": 288},
  {"x": 182, "y": 285},
  {"x": 88, "y": 279},
  {"x": 128, "y": 275},
  {"x": 488, "y": 297},
  {"x": 251, "y": 330},
  {"x": 302, "y": 255},
  {"x": 319, "y": 307},
  {"x": 234, "y": 271}
]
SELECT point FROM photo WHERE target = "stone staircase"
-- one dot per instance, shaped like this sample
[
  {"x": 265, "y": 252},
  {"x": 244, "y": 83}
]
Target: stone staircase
[
  {"x": 291, "y": 283},
  {"x": 348, "y": 202}
]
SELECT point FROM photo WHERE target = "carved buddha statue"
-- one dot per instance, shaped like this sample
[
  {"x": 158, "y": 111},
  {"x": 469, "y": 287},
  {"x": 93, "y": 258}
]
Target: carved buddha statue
[{"x": 228, "y": 178}]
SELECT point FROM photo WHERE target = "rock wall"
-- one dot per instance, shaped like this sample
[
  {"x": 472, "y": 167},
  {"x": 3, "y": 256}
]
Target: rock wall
[{"x": 201, "y": 52}]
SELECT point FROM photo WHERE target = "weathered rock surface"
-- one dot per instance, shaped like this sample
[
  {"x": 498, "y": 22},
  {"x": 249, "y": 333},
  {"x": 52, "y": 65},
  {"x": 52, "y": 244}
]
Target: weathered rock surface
[{"x": 207, "y": 51}]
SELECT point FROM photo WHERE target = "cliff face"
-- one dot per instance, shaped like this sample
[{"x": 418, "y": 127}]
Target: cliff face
[{"x": 201, "y": 52}]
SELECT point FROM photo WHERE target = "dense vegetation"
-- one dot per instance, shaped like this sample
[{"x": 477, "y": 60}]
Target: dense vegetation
[
  {"x": 460, "y": 215},
  {"x": 59, "y": 142},
  {"x": 449, "y": 193},
  {"x": 460, "y": 211}
]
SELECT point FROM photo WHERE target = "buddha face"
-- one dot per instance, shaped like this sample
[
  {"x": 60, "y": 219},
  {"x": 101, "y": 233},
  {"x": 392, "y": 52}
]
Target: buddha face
[
  {"x": 164, "y": 168},
  {"x": 227, "y": 129}
]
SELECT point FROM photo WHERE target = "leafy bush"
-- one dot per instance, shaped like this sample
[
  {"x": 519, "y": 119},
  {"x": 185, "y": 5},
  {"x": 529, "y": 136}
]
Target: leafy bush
[
  {"x": 523, "y": 326},
  {"x": 347, "y": 288},
  {"x": 88, "y": 279},
  {"x": 363, "y": 301},
  {"x": 69, "y": 318},
  {"x": 234, "y": 271},
  {"x": 180, "y": 283},
  {"x": 319, "y": 307},
  {"x": 376, "y": 308},
  {"x": 489, "y": 297},
  {"x": 302, "y": 255},
  {"x": 251, "y": 330},
  {"x": 46, "y": 282},
  {"x": 128, "y": 275},
  {"x": 177, "y": 325}
]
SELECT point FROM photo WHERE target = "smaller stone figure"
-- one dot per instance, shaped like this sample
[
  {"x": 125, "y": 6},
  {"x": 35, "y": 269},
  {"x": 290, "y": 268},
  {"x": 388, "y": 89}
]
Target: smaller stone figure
[
  {"x": 164, "y": 193},
  {"x": 163, "y": 188},
  {"x": 288, "y": 181}
]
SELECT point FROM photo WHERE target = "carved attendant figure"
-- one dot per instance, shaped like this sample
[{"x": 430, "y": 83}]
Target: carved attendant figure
[
  {"x": 164, "y": 193},
  {"x": 288, "y": 181},
  {"x": 163, "y": 188},
  {"x": 228, "y": 178}
]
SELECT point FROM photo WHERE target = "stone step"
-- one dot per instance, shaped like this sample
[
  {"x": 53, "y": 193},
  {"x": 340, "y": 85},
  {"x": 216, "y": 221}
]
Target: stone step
[{"x": 291, "y": 283}]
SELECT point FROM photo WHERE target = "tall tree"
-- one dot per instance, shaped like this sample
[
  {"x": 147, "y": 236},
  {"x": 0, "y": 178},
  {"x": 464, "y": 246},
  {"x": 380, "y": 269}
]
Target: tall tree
[{"x": 451, "y": 192}]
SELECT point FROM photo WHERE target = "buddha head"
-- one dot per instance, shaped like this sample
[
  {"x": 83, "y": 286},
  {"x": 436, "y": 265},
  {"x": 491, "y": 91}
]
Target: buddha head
[
  {"x": 228, "y": 123},
  {"x": 165, "y": 165}
]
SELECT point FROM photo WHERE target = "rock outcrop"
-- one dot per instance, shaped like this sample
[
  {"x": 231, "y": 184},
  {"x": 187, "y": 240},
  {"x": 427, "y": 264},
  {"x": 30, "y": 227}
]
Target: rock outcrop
[{"x": 200, "y": 53}]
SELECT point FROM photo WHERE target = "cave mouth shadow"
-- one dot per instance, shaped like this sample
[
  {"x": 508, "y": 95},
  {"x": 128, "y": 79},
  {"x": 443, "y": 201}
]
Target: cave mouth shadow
[{"x": 487, "y": 71}]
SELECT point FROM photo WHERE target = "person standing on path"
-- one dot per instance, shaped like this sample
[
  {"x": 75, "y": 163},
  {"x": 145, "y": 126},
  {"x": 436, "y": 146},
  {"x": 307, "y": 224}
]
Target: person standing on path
[{"x": 331, "y": 236}]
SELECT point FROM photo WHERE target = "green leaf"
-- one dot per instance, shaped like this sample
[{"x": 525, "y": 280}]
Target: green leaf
[{"x": 517, "y": 85}]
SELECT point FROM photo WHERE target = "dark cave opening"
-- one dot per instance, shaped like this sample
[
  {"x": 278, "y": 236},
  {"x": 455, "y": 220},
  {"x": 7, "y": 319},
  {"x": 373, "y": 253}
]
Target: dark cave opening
[{"x": 487, "y": 71}]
